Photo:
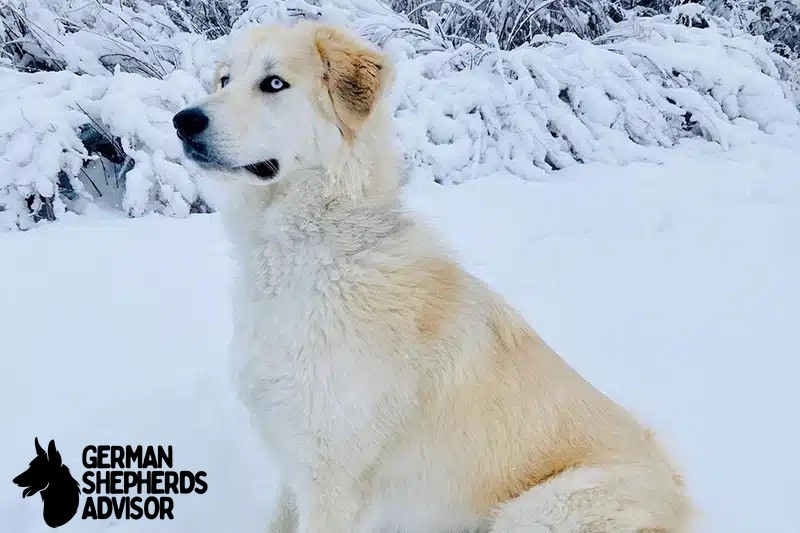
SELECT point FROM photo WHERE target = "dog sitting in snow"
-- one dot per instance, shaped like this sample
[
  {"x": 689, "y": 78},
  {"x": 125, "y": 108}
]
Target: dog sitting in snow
[{"x": 397, "y": 392}]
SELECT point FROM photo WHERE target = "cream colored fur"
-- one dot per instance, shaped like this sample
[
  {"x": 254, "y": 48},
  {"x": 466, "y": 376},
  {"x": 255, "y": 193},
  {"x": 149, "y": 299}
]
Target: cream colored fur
[{"x": 396, "y": 391}]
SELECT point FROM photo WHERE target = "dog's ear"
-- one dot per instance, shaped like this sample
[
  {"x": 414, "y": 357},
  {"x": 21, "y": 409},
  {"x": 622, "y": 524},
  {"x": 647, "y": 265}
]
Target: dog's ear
[
  {"x": 354, "y": 75},
  {"x": 39, "y": 449},
  {"x": 53, "y": 457}
]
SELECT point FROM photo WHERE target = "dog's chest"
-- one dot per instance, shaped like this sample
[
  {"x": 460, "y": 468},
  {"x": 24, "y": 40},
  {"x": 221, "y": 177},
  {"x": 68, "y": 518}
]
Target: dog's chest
[{"x": 306, "y": 372}]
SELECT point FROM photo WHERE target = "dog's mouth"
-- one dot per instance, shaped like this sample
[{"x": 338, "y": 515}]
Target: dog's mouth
[
  {"x": 198, "y": 152},
  {"x": 30, "y": 486},
  {"x": 266, "y": 170},
  {"x": 30, "y": 491}
]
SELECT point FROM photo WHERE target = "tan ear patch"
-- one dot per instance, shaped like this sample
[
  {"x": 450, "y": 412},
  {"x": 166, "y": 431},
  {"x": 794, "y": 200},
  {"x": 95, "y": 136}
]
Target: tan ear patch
[{"x": 353, "y": 74}]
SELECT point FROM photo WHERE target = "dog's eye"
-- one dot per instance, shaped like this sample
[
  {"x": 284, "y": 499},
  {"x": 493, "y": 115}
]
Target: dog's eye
[
  {"x": 273, "y": 84},
  {"x": 223, "y": 81}
]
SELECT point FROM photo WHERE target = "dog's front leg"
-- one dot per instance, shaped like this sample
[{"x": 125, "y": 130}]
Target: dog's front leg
[
  {"x": 332, "y": 504},
  {"x": 284, "y": 517}
]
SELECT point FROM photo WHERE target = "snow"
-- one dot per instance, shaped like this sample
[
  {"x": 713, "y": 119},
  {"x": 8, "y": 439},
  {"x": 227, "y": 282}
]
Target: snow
[
  {"x": 636, "y": 197},
  {"x": 670, "y": 284},
  {"x": 463, "y": 111}
]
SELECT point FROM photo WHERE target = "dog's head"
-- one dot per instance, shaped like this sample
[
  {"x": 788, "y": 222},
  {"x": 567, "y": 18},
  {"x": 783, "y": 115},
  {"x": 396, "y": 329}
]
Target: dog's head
[
  {"x": 285, "y": 99},
  {"x": 42, "y": 470}
]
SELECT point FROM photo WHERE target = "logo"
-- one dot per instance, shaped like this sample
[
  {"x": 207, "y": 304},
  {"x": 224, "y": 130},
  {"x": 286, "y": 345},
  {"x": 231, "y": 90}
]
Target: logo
[
  {"x": 121, "y": 482},
  {"x": 48, "y": 476}
]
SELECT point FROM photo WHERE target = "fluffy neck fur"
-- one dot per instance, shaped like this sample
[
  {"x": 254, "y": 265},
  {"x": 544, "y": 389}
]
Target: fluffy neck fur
[{"x": 348, "y": 204}]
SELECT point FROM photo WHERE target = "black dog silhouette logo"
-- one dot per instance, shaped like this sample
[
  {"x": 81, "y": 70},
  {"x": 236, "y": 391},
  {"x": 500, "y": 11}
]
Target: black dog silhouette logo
[{"x": 48, "y": 476}]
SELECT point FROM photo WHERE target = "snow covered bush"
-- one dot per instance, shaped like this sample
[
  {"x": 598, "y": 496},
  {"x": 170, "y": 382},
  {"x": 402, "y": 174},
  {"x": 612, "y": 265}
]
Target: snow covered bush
[
  {"x": 49, "y": 120},
  {"x": 512, "y": 22},
  {"x": 89, "y": 88},
  {"x": 88, "y": 106},
  {"x": 778, "y": 21},
  {"x": 567, "y": 101}
]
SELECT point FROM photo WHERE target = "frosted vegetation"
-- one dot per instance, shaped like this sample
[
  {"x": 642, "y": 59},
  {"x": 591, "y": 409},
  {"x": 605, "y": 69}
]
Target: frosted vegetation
[{"x": 485, "y": 87}]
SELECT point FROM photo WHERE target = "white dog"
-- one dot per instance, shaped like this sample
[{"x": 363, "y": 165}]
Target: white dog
[{"x": 397, "y": 392}]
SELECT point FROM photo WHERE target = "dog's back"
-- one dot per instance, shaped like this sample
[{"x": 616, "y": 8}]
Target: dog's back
[{"x": 515, "y": 441}]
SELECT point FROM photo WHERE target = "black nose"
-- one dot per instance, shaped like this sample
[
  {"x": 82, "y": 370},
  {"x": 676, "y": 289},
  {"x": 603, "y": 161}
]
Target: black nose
[{"x": 190, "y": 122}]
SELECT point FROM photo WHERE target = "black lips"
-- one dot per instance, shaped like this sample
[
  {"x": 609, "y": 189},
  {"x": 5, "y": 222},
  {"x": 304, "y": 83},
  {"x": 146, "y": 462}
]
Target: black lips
[{"x": 265, "y": 169}]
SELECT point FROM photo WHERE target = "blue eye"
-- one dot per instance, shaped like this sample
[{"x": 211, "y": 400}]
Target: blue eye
[
  {"x": 273, "y": 84},
  {"x": 224, "y": 80}
]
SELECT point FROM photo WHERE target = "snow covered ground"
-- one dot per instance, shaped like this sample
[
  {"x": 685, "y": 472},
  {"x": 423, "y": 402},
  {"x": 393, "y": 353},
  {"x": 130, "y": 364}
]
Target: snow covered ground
[{"x": 672, "y": 285}]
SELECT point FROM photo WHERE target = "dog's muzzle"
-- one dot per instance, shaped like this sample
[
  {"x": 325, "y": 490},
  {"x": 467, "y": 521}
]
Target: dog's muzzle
[{"x": 191, "y": 123}]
